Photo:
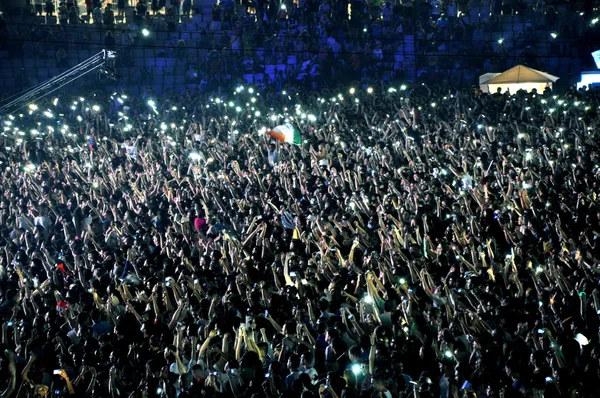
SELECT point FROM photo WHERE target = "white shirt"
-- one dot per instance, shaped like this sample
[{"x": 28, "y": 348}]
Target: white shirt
[
  {"x": 86, "y": 222},
  {"x": 73, "y": 336},
  {"x": 131, "y": 150},
  {"x": 273, "y": 157},
  {"x": 22, "y": 224},
  {"x": 313, "y": 374},
  {"x": 467, "y": 182},
  {"x": 173, "y": 368},
  {"x": 41, "y": 220}
]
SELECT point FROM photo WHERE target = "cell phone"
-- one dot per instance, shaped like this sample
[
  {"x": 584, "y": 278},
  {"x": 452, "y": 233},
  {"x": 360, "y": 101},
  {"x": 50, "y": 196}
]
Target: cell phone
[
  {"x": 9, "y": 324},
  {"x": 56, "y": 371},
  {"x": 350, "y": 316},
  {"x": 59, "y": 256},
  {"x": 292, "y": 274},
  {"x": 549, "y": 379},
  {"x": 267, "y": 375},
  {"x": 266, "y": 312},
  {"x": 540, "y": 331}
]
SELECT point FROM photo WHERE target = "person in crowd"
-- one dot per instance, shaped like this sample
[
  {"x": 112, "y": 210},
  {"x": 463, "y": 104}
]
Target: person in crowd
[
  {"x": 121, "y": 5},
  {"x": 98, "y": 16},
  {"x": 73, "y": 15},
  {"x": 216, "y": 17},
  {"x": 442, "y": 244},
  {"x": 186, "y": 7},
  {"x": 63, "y": 14},
  {"x": 108, "y": 17},
  {"x": 61, "y": 57},
  {"x": 109, "y": 40},
  {"x": 49, "y": 8},
  {"x": 39, "y": 7},
  {"x": 141, "y": 8},
  {"x": 89, "y": 7}
]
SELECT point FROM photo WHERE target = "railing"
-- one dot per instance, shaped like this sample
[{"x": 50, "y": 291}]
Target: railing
[{"x": 189, "y": 55}]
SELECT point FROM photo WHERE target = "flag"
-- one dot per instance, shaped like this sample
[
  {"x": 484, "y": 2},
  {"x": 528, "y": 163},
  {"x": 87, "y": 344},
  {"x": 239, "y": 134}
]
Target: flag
[
  {"x": 286, "y": 133},
  {"x": 287, "y": 220}
]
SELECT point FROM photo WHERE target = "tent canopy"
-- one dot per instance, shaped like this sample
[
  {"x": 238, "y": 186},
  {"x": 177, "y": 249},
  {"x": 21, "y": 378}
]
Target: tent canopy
[
  {"x": 486, "y": 77},
  {"x": 522, "y": 74}
]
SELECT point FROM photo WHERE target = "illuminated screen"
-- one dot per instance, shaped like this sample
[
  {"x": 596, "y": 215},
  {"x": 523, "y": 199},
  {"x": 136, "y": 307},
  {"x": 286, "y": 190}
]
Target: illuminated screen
[{"x": 596, "y": 55}]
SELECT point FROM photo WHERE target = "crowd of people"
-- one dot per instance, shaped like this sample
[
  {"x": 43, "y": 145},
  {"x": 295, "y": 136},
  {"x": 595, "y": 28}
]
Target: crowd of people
[
  {"x": 428, "y": 41},
  {"x": 419, "y": 242}
]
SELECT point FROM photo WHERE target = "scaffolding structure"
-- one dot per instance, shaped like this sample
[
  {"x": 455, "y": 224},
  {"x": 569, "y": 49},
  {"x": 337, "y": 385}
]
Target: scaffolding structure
[{"x": 102, "y": 62}]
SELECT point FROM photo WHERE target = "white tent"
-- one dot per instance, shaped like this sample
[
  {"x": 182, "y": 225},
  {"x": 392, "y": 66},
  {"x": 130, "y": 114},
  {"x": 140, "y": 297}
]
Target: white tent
[
  {"x": 483, "y": 80},
  {"x": 518, "y": 78}
]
